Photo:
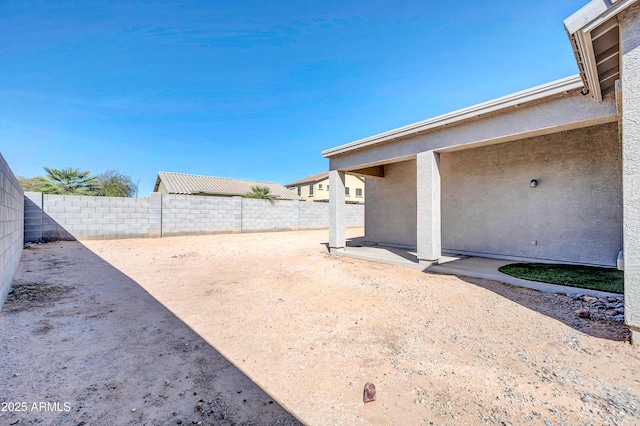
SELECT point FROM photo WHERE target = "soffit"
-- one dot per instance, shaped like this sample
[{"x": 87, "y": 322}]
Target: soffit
[{"x": 594, "y": 33}]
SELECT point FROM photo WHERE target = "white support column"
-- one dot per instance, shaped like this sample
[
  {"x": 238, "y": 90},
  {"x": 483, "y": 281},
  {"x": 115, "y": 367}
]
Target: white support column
[
  {"x": 428, "y": 207},
  {"x": 630, "y": 72},
  {"x": 336, "y": 209}
]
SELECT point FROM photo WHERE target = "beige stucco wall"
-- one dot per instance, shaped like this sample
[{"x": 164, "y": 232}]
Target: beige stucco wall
[
  {"x": 162, "y": 189},
  {"x": 574, "y": 214},
  {"x": 390, "y": 213},
  {"x": 321, "y": 190}
]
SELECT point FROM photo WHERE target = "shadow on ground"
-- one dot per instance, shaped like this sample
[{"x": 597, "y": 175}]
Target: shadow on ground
[
  {"x": 559, "y": 307},
  {"x": 84, "y": 344}
]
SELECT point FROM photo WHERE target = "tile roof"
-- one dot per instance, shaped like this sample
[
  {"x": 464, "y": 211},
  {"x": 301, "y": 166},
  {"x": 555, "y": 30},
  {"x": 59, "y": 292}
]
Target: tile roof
[
  {"x": 309, "y": 179},
  {"x": 180, "y": 183}
]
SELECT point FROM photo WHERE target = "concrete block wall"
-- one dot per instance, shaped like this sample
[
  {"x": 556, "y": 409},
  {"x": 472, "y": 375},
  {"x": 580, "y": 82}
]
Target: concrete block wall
[
  {"x": 155, "y": 215},
  {"x": 51, "y": 217},
  {"x": 354, "y": 215},
  {"x": 11, "y": 227},
  {"x": 197, "y": 215},
  {"x": 314, "y": 215},
  {"x": 67, "y": 217},
  {"x": 267, "y": 215},
  {"x": 33, "y": 217}
]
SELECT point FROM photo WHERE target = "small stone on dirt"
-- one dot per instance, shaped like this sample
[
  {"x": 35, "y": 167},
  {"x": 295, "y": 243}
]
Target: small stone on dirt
[
  {"x": 167, "y": 382},
  {"x": 199, "y": 406},
  {"x": 583, "y": 313},
  {"x": 369, "y": 392}
]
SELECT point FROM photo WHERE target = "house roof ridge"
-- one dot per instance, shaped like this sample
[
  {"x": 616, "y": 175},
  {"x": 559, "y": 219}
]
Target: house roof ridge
[
  {"x": 311, "y": 178},
  {"x": 220, "y": 177}
]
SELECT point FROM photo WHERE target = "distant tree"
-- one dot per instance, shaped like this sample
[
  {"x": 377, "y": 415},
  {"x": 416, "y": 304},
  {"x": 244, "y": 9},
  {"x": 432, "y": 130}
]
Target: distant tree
[
  {"x": 67, "y": 181},
  {"x": 30, "y": 184},
  {"x": 261, "y": 192},
  {"x": 114, "y": 184}
]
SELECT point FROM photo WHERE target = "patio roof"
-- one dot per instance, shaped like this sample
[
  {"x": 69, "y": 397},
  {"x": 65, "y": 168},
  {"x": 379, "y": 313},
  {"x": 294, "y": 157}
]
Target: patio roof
[{"x": 502, "y": 104}]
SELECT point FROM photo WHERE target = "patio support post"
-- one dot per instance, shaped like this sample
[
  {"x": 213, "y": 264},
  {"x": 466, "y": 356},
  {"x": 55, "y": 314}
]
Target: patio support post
[
  {"x": 336, "y": 210},
  {"x": 630, "y": 63},
  {"x": 428, "y": 207}
]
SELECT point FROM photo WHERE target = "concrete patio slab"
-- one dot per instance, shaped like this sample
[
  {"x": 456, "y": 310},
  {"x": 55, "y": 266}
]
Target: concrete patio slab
[{"x": 456, "y": 264}]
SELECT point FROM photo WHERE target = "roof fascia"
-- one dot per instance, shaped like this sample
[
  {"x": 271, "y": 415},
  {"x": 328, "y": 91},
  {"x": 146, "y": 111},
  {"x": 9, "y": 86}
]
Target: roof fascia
[{"x": 514, "y": 100}]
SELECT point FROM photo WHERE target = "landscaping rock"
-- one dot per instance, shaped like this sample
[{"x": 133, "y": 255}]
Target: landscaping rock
[
  {"x": 369, "y": 392},
  {"x": 583, "y": 313}
]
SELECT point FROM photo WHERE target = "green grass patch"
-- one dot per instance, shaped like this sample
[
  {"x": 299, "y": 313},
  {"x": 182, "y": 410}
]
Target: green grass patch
[{"x": 593, "y": 278}]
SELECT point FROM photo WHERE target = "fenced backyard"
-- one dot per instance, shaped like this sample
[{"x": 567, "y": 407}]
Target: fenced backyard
[{"x": 253, "y": 328}]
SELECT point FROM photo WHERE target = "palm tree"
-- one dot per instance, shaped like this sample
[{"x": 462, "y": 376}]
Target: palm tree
[
  {"x": 261, "y": 192},
  {"x": 67, "y": 181}
]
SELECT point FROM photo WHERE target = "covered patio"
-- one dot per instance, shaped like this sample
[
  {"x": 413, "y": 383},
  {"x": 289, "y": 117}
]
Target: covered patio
[
  {"x": 512, "y": 178},
  {"x": 546, "y": 174}
]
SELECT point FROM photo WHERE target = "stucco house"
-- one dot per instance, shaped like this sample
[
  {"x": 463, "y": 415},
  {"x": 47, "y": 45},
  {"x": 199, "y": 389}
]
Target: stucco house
[
  {"x": 186, "y": 184},
  {"x": 316, "y": 188},
  {"x": 550, "y": 173}
]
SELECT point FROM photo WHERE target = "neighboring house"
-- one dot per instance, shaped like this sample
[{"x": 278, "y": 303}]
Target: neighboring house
[
  {"x": 179, "y": 183},
  {"x": 316, "y": 188},
  {"x": 551, "y": 173}
]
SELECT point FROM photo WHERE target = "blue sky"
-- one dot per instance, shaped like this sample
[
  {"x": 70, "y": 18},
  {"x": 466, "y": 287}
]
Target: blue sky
[{"x": 252, "y": 89}]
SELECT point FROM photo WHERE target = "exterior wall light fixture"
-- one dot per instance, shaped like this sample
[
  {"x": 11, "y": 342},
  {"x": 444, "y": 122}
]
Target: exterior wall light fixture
[{"x": 533, "y": 183}]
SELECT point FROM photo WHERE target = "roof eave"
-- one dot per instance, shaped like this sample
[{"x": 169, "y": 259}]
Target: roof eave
[
  {"x": 579, "y": 27},
  {"x": 514, "y": 100}
]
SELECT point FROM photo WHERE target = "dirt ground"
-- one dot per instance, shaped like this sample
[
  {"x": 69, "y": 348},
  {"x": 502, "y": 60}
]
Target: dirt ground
[{"x": 270, "y": 328}]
